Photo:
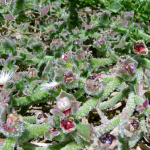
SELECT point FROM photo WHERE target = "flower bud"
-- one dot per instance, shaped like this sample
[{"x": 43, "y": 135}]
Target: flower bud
[
  {"x": 140, "y": 48},
  {"x": 12, "y": 119},
  {"x": 107, "y": 141},
  {"x": 12, "y": 127},
  {"x": 127, "y": 68},
  {"x": 93, "y": 85},
  {"x": 131, "y": 128},
  {"x": 132, "y": 125},
  {"x": 31, "y": 73},
  {"x": 64, "y": 56},
  {"x": 70, "y": 80},
  {"x": 51, "y": 133},
  {"x": 67, "y": 125},
  {"x": 100, "y": 45},
  {"x": 56, "y": 43},
  {"x": 42, "y": 117},
  {"x": 64, "y": 105}
]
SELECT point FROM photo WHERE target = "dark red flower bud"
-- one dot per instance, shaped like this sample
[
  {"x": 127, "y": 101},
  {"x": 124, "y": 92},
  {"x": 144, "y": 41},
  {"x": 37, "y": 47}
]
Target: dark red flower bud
[
  {"x": 140, "y": 48},
  {"x": 93, "y": 85},
  {"x": 42, "y": 117},
  {"x": 68, "y": 124},
  {"x": 107, "y": 138},
  {"x": 135, "y": 124}
]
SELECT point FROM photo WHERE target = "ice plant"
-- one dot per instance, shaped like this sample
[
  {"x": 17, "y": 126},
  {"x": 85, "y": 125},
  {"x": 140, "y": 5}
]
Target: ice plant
[
  {"x": 131, "y": 128},
  {"x": 93, "y": 85},
  {"x": 140, "y": 48},
  {"x": 70, "y": 80},
  {"x": 77, "y": 63},
  {"x": 41, "y": 118},
  {"x": 64, "y": 105},
  {"x": 67, "y": 124},
  {"x": 127, "y": 68},
  {"x": 5, "y": 77},
  {"x": 107, "y": 141},
  {"x": 51, "y": 133},
  {"x": 142, "y": 107},
  {"x": 13, "y": 126}
]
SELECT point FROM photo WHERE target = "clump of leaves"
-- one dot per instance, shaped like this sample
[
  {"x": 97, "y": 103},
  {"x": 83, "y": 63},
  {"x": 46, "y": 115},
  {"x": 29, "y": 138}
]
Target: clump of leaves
[{"x": 76, "y": 58}]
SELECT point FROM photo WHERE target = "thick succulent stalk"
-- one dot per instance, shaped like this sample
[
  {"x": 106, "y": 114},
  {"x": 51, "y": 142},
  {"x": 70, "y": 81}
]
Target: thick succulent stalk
[
  {"x": 59, "y": 145},
  {"x": 32, "y": 131},
  {"x": 139, "y": 86},
  {"x": 28, "y": 100},
  {"x": 30, "y": 119},
  {"x": 9, "y": 144},
  {"x": 96, "y": 63},
  {"x": 109, "y": 103},
  {"x": 36, "y": 60},
  {"x": 110, "y": 88},
  {"x": 72, "y": 146},
  {"x": 143, "y": 35},
  {"x": 99, "y": 130},
  {"x": 146, "y": 63}
]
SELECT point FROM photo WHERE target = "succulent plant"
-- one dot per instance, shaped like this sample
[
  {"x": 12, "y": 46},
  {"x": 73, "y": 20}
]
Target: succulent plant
[{"x": 84, "y": 63}]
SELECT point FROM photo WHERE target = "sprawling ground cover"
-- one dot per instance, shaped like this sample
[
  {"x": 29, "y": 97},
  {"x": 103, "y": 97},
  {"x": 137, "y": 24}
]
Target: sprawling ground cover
[{"x": 75, "y": 74}]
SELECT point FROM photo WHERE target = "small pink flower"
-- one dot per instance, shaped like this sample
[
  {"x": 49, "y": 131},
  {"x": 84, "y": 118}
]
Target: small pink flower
[
  {"x": 140, "y": 48},
  {"x": 67, "y": 124},
  {"x": 31, "y": 73},
  {"x": 64, "y": 56},
  {"x": 8, "y": 128}
]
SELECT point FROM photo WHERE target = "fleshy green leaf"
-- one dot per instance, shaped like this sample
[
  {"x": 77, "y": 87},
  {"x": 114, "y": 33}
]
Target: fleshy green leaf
[
  {"x": 84, "y": 131},
  {"x": 114, "y": 6},
  {"x": 8, "y": 46},
  {"x": 71, "y": 146},
  {"x": 104, "y": 20},
  {"x": 86, "y": 107}
]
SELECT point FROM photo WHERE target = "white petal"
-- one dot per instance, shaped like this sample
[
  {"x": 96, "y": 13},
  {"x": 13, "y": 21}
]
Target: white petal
[
  {"x": 48, "y": 86},
  {"x": 5, "y": 77}
]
